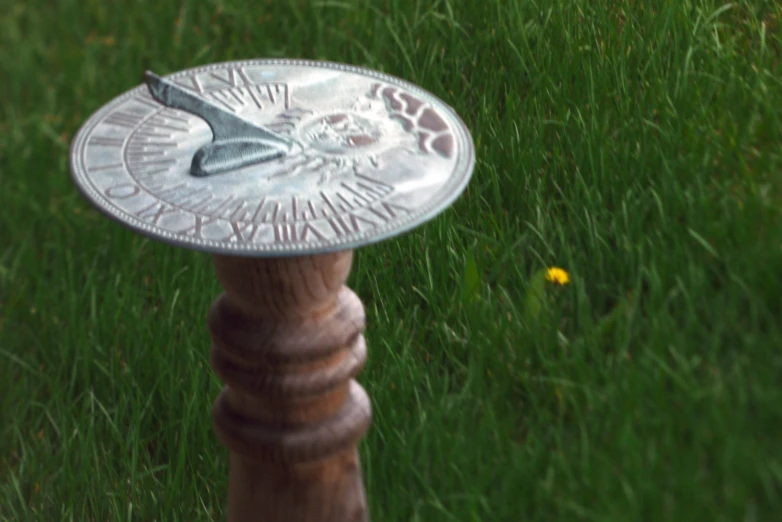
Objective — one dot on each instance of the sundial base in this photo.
(287, 342)
(288, 165)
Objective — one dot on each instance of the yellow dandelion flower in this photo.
(557, 275)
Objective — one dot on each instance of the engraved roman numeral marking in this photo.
(360, 198)
(106, 142)
(235, 216)
(308, 229)
(376, 187)
(232, 77)
(276, 211)
(239, 231)
(389, 210)
(191, 83)
(254, 96)
(353, 226)
(258, 209)
(155, 211)
(340, 227)
(279, 90)
(345, 205)
(374, 191)
(288, 233)
(124, 119)
(284, 233)
(229, 99)
(329, 203)
(196, 230)
(312, 209)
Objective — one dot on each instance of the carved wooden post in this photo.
(287, 340)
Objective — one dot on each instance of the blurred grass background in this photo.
(636, 144)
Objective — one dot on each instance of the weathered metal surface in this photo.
(273, 157)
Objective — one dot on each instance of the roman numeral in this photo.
(285, 233)
(229, 100)
(195, 230)
(288, 233)
(240, 230)
(232, 77)
(191, 83)
(352, 226)
(155, 211)
(387, 211)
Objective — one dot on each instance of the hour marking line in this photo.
(140, 155)
(105, 167)
(148, 173)
(345, 200)
(329, 203)
(227, 105)
(156, 162)
(166, 126)
(361, 198)
(258, 210)
(107, 142)
(240, 100)
(124, 119)
(152, 134)
(195, 85)
(153, 144)
(255, 99)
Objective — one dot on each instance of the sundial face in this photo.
(273, 157)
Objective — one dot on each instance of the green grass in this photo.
(634, 143)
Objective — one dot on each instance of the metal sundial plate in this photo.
(365, 156)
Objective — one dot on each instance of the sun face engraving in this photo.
(342, 133)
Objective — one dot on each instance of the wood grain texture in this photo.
(287, 341)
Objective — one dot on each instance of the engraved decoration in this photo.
(348, 156)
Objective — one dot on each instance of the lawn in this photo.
(635, 144)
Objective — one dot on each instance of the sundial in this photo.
(279, 169)
(264, 158)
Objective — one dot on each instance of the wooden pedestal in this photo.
(287, 342)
